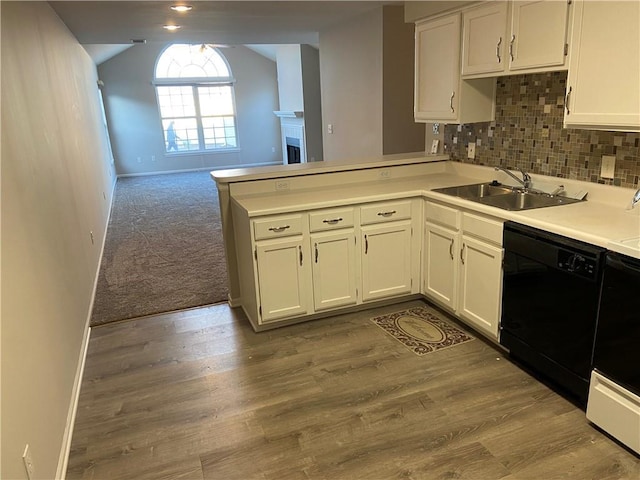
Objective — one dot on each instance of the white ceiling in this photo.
(229, 22)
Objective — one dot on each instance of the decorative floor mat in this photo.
(421, 330)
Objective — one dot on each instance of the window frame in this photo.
(194, 83)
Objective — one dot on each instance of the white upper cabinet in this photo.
(538, 34)
(515, 37)
(603, 86)
(440, 94)
(484, 39)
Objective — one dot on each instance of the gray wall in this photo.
(351, 79)
(134, 122)
(400, 131)
(57, 184)
(312, 102)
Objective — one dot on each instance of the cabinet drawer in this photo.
(385, 212)
(443, 215)
(482, 227)
(331, 219)
(280, 226)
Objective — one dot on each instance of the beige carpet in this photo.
(163, 249)
(422, 330)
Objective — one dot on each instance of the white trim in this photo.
(63, 458)
(200, 169)
(288, 114)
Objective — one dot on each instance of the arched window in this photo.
(194, 86)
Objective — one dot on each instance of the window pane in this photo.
(180, 134)
(176, 101)
(215, 101)
(216, 135)
(192, 61)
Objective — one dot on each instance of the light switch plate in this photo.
(434, 146)
(608, 166)
(471, 150)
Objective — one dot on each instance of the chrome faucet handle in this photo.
(636, 198)
(526, 178)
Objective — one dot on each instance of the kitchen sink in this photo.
(477, 190)
(507, 198)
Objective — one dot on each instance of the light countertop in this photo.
(602, 220)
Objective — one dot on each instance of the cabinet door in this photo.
(538, 33)
(441, 265)
(480, 284)
(386, 260)
(484, 40)
(283, 278)
(334, 269)
(437, 69)
(602, 86)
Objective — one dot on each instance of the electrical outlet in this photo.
(282, 185)
(153, 158)
(384, 173)
(273, 149)
(28, 462)
(330, 128)
(608, 167)
(471, 150)
(434, 146)
(139, 159)
(91, 235)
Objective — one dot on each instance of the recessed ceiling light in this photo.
(171, 28)
(181, 8)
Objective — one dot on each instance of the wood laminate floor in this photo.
(198, 395)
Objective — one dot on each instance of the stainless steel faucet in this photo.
(526, 178)
(636, 198)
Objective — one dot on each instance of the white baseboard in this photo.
(63, 459)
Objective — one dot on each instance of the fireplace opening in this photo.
(293, 150)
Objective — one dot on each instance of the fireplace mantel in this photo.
(288, 114)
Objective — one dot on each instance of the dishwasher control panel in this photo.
(577, 263)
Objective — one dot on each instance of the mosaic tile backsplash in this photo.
(527, 133)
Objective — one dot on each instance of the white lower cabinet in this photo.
(463, 265)
(440, 272)
(282, 274)
(386, 260)
(480, 284)
(334, 269)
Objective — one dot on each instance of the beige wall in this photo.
(351, 79)
(56, 189)
(400, 131)
(289, 64)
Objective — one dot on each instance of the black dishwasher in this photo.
(550, 298)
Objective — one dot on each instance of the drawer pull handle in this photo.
(333, 221)
(513, 38)
(386, 214)
(279, 229)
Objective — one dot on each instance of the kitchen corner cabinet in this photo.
(387, 233)
(440, 94)
(602, 85)
(515, 37)
(463, 265)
